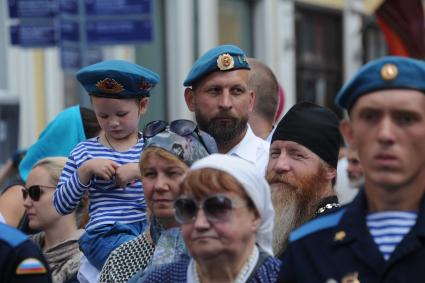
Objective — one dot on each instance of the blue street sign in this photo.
(71, 57)
(69, 30)
(68, 7)
(32, 8)
(104, 22)
(117, 7)
(118, 31)
(34, 35)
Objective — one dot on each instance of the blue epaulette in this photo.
(11, 236)
(317, 224)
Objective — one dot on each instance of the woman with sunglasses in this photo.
(226, 217)
(59, 235)
(170, 150)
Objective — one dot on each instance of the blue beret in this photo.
(117, 79)
(390, 72)
(220, 58)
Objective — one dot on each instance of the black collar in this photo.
(326, 205)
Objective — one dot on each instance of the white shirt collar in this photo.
(269, 137)
(244, 148)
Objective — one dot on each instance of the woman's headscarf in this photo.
(254, 185)
(58, 139)
(187, 148)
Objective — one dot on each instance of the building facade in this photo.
(312, 46)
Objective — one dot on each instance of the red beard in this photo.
(295, 202)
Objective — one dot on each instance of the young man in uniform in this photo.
(380, 236)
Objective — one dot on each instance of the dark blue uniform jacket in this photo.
(338, 248)
(20, 259)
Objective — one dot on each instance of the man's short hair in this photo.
(264, 83)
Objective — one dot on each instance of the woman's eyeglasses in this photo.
(217, 208)
(182, 127)
(34, 192)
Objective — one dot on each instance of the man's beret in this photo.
(220, 58)
(117, 79)
(390, 72)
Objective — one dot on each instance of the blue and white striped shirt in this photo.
(108, 203)
(388, 228)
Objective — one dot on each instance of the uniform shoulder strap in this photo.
(11, 236)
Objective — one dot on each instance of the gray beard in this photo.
(290, 213)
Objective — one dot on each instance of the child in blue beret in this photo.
(107, 166)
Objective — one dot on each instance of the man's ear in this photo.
(346, 129)
(330, 173)
(189, 98)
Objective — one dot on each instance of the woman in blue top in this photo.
(107, 166)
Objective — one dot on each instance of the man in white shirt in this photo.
(218, 93)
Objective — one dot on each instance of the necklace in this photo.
(113, 148)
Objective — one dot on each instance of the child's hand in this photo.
(100, 167)
(126, 174)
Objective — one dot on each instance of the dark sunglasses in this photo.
(182, 127)
(217, 208)
(34, 192)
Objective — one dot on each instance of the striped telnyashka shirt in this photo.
(388, 228)
(108, 203)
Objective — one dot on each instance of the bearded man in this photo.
(218, 92)
(302, 168)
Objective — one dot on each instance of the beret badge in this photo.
(225, 62)
(109, 85)
(389, 72)
(145, 86)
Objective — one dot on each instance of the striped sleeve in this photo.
(69, 190)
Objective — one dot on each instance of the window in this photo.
(318, 34)
(373, 41)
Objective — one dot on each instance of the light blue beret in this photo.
(220, 58)
(117, 79)
(389, 72)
